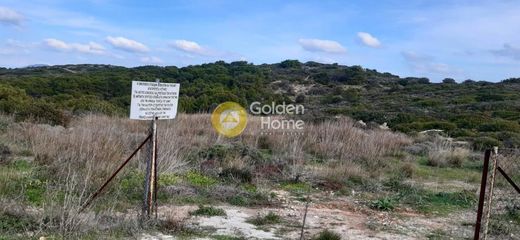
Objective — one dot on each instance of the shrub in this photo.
(499, 125)
(458, 156)
(208, 211)
(327, 235)
(383, 204)
(263, 142)
(300, 98)
(269, 218)
(442, 154)
(408, 170)
(16, 221)
(237, 175)
(200, 180)
(331, 99)
(290, 64)
(41, 111)
(5, 152)
(482, 143)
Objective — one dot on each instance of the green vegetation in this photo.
(225, 237)
(427, 201)
(327, 235)
(208, 211)
(269, 218)
(484, 113)
(200, 180)
(383, 204)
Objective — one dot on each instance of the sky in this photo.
(463, 39)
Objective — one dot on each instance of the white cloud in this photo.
(508, 51)
(421, 63)
(10, 17)
(90, 48)
(189, 47)
(369, 40)
(319, 45)
(151, 60)
(126, 44)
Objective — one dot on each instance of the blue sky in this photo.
(462, 39)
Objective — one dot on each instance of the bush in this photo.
(200, 180)
(44, 112)
(383, 204)
(290, 64)
(300, 98)
(408, 170)
(208, 211)
(331, 99)
(5, 152)
(236, 175)
(327, 235)
(482, 143)
(13, 99)
(458, 157)
(442, 154)
(499, 125)
(270, 218)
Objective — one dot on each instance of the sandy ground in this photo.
(341, 214)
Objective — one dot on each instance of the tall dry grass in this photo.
(443, 153)
(79, 158)
(99, 143)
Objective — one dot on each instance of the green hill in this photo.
(483, 112)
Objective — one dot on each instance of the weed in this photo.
(131, 185)
(11, 221)
(168, 179)
(269, 218)
(297, 188)
(438, 234)
(234, 174)
(383, 204)
(408, 170)
(427, 201)
(199, 180)
(208, 211)
(226, 237)
(327, 235)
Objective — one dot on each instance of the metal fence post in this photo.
(149, 182)
(482, 196)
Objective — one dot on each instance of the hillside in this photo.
(485, 113)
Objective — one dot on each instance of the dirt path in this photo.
(342, 215)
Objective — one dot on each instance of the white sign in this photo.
(152, 99)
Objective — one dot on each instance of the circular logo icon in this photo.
(229, 119)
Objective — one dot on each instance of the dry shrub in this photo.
(459, 156)
(408, 169)
(337, 139)
(442, 153)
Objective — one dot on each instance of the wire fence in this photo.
(500, 215)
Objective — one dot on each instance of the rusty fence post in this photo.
(150, 187)
(482, 196)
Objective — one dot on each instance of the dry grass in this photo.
(78, 159)
(442, 153)
(97, 144)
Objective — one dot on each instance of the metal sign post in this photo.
(150, 101)
(153, 101)
(150, 184)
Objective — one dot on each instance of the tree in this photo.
(290, 64)
(449, 81)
